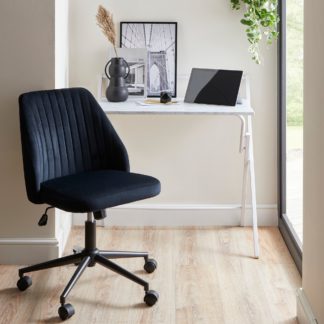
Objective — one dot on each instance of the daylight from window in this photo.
(294, 134)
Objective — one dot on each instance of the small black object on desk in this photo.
(165, 97)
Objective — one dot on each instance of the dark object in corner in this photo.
(165, 97)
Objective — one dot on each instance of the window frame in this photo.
(285, 227)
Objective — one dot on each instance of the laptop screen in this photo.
(217, 87)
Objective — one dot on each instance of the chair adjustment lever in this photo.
(43, 220)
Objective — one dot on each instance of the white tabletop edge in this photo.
(132, 106)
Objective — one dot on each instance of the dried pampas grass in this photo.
(106, 22)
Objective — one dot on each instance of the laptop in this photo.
(217, 87)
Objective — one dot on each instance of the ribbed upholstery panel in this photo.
(65, 132)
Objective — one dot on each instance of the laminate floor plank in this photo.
(204, 275)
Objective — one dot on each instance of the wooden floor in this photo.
(204, 276)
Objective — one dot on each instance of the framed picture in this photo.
(136, 80)
(160, 40)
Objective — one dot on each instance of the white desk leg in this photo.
(249, 152)
(244, 186)
(243, 143)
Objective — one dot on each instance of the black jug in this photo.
(117, 74)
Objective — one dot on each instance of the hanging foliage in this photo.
(261, 19)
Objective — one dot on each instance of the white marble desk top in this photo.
(136, 106)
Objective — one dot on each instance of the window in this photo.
(291, 126)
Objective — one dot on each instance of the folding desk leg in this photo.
(243, 144)
(244, 186)
(252, 186)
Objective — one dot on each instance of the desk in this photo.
(242, 111)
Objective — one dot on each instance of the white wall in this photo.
(63, 220)
(313, 256)
(61, 43)
(27, 62)
(195, 157)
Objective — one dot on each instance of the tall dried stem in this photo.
(106, 22)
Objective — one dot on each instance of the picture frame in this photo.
(160, 40)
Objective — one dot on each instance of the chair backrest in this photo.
(65, 132)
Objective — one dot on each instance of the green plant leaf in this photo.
(261, 17)
(246, 22)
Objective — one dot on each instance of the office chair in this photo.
(74, 160)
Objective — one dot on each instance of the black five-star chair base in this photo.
(88, 257)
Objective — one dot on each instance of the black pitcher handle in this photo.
(107, 65)
(127, 74)
(107, 75)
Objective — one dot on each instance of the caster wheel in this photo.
(66, 311)
(24, 282)
(151, 297)
(150, 265)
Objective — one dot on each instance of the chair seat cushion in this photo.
(96, 190)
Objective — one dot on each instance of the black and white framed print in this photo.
(160, 40)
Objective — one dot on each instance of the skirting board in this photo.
(28, 250)
(183, 215)
(305, 314)
(34, 250)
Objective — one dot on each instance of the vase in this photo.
(118, 71)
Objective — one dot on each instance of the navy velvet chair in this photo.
(75, 161)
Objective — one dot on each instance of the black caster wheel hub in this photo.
(66, 311)
(150, 265)
(151, 297)
(24, 282)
